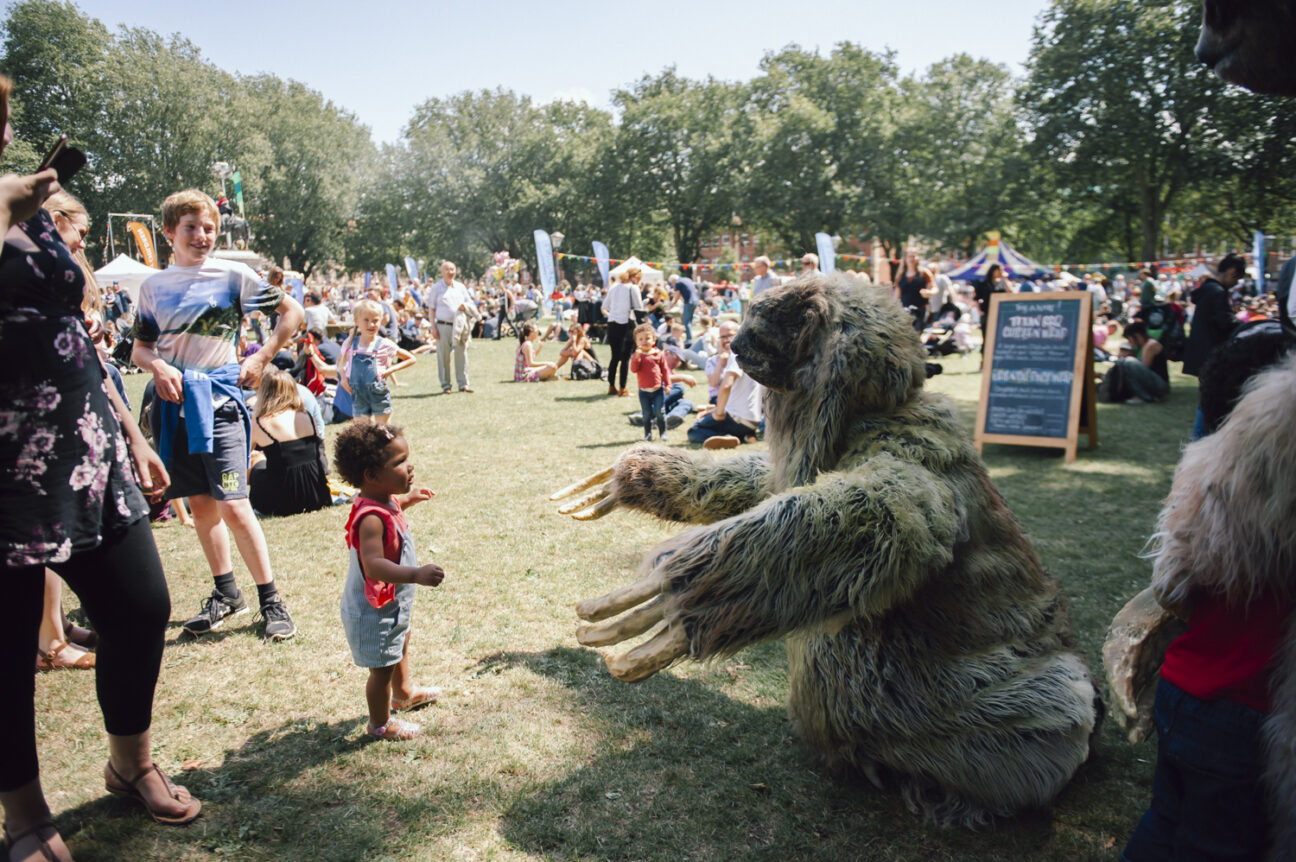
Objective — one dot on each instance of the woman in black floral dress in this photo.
(71, 465)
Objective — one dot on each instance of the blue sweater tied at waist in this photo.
(200, 391)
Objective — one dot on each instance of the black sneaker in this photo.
(216, 609)
(673, 421)
(278, 624)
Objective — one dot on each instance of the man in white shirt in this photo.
(454, 312)
(763, 280)
(317, 313)
(737, 412)
(1097, 293)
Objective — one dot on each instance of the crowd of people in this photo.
(81, 475)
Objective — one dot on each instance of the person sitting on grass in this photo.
(580, 350)
(717, 363)
(1140, 374)
(737, 412)
(526, 367)
(287, 473)
(676, 343)
(378, 597)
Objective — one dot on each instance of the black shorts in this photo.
(222, 473)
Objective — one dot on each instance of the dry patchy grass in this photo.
(534, 751)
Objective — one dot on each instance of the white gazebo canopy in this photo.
(127, 272)
(648, 274)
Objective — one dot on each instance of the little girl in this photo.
(379, 591)
(366, 362)
(526, 367)
(649, 367)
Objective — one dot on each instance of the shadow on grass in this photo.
(684, 771)
(300, 785)
(420, 395)
(610, 444)
(186, 638)
(586, 399)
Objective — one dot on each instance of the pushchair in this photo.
(938, 340)
(511, 320)
(121, 353)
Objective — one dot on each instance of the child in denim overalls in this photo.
(366, 362)
(378, 596)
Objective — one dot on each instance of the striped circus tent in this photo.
(998, 251)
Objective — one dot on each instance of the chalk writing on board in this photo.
(1033, 368)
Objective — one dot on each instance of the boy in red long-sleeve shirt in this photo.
(648, 364)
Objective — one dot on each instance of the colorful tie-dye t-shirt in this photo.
(192, 314)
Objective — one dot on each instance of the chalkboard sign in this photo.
(1037, 385)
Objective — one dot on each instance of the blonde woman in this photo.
(620, 304)
(288, 477)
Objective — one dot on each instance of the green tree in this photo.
(54, 54)
(1122, 109)
(372, 235)
(962, 135)
(676, 157)
(307, 190)
(478, 172)
(817, 139)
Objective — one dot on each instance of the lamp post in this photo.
(222, 171)
(556, 238)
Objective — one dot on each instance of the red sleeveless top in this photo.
(378, 593)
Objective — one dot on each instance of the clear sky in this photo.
(380, 59)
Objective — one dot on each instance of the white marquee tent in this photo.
(649, 274)
(127, 272)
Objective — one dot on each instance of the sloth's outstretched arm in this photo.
(850, 544)
(675, 485)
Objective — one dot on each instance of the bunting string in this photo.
(1178, 263)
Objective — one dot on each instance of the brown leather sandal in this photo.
(51, 659)
(73, 633)
(47, 852)
(130, 790)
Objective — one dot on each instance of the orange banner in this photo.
(144, 241)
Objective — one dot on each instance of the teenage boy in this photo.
(186, 335)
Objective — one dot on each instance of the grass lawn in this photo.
(535, 751)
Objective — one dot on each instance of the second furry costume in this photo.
(928, 647)
(1225, 561)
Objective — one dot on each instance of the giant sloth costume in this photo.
(927, 645)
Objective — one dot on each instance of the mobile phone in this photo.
(65, 160)
(53, 153)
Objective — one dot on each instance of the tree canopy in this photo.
(1114, 145)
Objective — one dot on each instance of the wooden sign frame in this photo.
(1082, 413)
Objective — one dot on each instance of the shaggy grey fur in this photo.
(926, 643)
